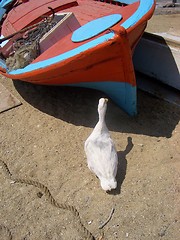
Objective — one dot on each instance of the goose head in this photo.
(108, 184)
(102, 107)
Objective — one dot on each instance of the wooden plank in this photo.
(158, 56)
(158, 89)
(67, 23)
(98, 9)
(7, 100)
(30, 11)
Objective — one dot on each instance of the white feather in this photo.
(101, 153)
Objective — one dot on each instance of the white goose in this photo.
(101, 153)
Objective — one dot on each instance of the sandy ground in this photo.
(164, 24)
(43, 140)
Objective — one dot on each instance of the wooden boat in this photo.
(91, 44)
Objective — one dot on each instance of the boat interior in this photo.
(72, 28)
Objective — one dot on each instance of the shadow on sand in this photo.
(78, 106)
(122, 167)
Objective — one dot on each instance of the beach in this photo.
(43, 140)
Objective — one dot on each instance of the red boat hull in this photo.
(65, 62)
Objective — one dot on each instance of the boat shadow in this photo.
(78, 106)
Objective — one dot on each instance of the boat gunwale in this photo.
(127, 25)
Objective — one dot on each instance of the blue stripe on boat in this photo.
(144, 7)
(2, 12)
(3, 5)
(65, 55)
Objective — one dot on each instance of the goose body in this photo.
(101, 153)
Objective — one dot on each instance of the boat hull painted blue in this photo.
(123, 94)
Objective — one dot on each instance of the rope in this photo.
(26, 48)
(80, 227)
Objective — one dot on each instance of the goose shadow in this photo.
(122, 167)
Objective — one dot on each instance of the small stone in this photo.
(39, 194)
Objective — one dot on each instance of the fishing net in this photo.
(26, 48)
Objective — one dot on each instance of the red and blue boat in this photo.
(91, 44)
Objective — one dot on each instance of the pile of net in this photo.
(26, 49)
